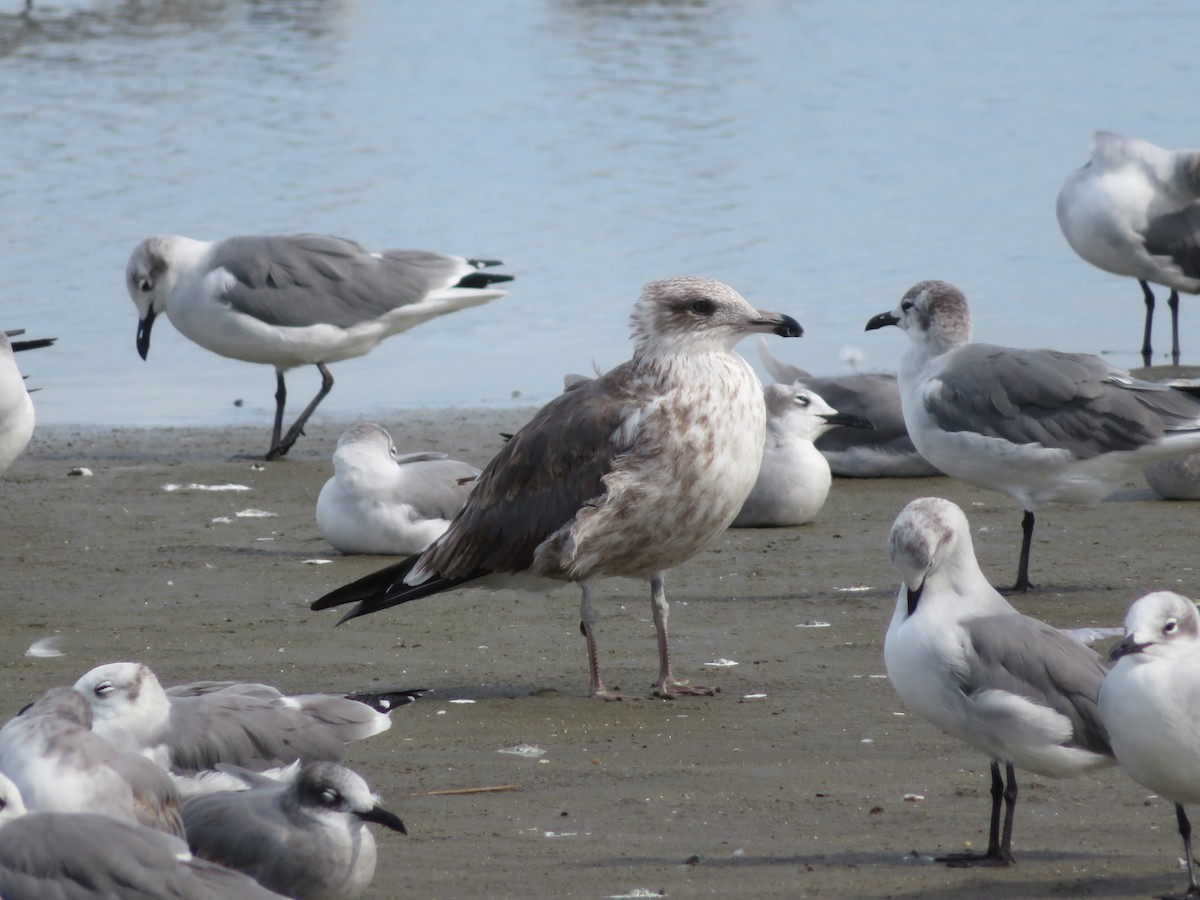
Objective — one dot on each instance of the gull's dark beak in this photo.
(880, 320)
(143, 333)
(1126, 646)
(383, 817)
(914, 597)
(848, 420)
(778, 323)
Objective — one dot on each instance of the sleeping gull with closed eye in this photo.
(962, 657)
(1038, 425)
(1134, 210)
(294, 300)
(627, 474)
(382, 501)
(306, 838)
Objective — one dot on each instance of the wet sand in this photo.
(800, 792)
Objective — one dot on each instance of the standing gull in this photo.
(1037, 425)
(306, 838)
(961, 656)
(16, 409)
(628, 474)
(381, 501)
(1134, 210)
(794, 478)
(1149, 702)
(295, 300)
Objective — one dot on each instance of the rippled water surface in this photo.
(820, 156)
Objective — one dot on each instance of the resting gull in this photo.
(382, 501)
(89, 856)
(59, 764)
(884, 452)
(306, 838)
(1134, 210)
(1037, 425)
(794, 478)
(189, 728)
(961, 656)
(1149, 700)
(627, 474)
(294, 300)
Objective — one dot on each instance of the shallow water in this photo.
(819, 156)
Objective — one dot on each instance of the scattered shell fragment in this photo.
(813, 623)
(45, 647)
(317, 562)
(255, 514)
(913, 798)
(80, 470)
(193, 486)
(527, 751)
(754, 697)
(721, 663)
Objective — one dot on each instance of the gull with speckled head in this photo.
(295, 300)
(1038, 425)
(627, 474)
(960, 656)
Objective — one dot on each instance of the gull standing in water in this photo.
(627, 474)
(962, 657)
(1037, 425)
(294, 300)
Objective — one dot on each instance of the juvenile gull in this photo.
(884, 452)
(1038, 425)
(382, 501)
(794, 478)
(189, 728)
(1149, 701)
(628, 474)
(961, 656)
(16, 409)
(90, 856)
(294, 300)
(1134, 210)
(59, 764)
(305, 838)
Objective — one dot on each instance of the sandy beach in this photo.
(803, 776)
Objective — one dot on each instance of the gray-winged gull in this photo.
(382, 501)
(884, 452)
(961, 656)
(1134, 210)
(59, 764)
(794, 478)
(1038, 425)
(306, 838)
(1149, 703)
(90, 856)
(295, 300)
(188, 729)
(628, 474)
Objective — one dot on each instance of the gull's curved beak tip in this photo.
(881, 320)
(143, 334)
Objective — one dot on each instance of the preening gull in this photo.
(305, 838)
(627, 474)
(16, 409)
(59, 764)
(294, 300)
(90, 856)
(1037, 425)
(1149, 701)
(189, 728)
(382, 501)
(961, 656)
(794, 478)
(1134, 210)
(884, 452)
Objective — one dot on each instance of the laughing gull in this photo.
(59, 764)
(961, 656)
(295, 300)
(1038, 425)
(794, 478)
(90, 856)
(306, 838)
(1149, 702)
(189, 728)
(1134, 210)
(884, 452)
(627, 474)
(381, 501)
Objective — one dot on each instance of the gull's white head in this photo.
(804, 414)
(364, 445)
(129, 706)
(1161, 624)
(934, 314)
(150, 276)
(928, 534)
(327, 788)
(696, 314)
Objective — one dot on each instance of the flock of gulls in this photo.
(119, 787)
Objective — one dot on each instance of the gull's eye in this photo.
(330, 797)
(103, 688)
(1170, 626)
(907, 305)
(703, 307)
(803, 400)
